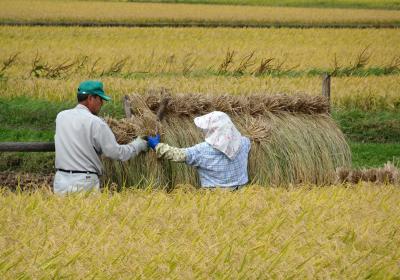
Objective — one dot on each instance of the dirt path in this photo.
(25, 181)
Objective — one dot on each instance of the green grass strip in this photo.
(28, 119)
(374, 154)
(375, 127)
(26, 135)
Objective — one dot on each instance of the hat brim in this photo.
(105, 97)
(198, 122)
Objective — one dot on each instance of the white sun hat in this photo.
(220, 132)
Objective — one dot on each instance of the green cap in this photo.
(93, 87)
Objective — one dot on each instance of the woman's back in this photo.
(215, 168)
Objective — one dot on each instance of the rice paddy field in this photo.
(153, 14)
(50, 61)
(282, 225)
(305, 232)
(366, 4)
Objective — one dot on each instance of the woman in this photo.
(221, 160)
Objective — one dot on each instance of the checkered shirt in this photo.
(215, 168)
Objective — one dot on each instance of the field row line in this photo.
(205, 24)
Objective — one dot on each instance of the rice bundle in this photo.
(294, 140)
(388, 174)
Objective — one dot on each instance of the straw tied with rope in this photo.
(294, 139)
(147, 111)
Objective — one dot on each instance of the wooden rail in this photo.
(27, 147)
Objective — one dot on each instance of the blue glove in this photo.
(153, 141)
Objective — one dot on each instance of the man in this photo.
(81, 137)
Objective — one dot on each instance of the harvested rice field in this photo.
(335, 232)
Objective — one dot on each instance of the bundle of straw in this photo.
(388, 174)
(294, 140)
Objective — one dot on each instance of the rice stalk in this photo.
(92, 72)
(228, 60)
(246, 62)
(188, 63)
(7, 63)
(264, 67)
(362, 59)
(115, 67)
(44, 69)
(393, 66)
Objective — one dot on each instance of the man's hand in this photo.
(141, 144)
(153, 141)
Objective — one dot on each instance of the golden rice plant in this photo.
(367, 93)
(158, 50)
(305, 232)
(190, 61)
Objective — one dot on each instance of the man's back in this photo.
(75, 142)
(81, 137)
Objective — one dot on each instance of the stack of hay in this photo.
(294, 139)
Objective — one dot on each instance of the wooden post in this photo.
(326, 88)
(127, 107)
(27, 147)
(161, 110)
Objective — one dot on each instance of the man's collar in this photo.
(83, 107)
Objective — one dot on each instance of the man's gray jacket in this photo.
(82, 137)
